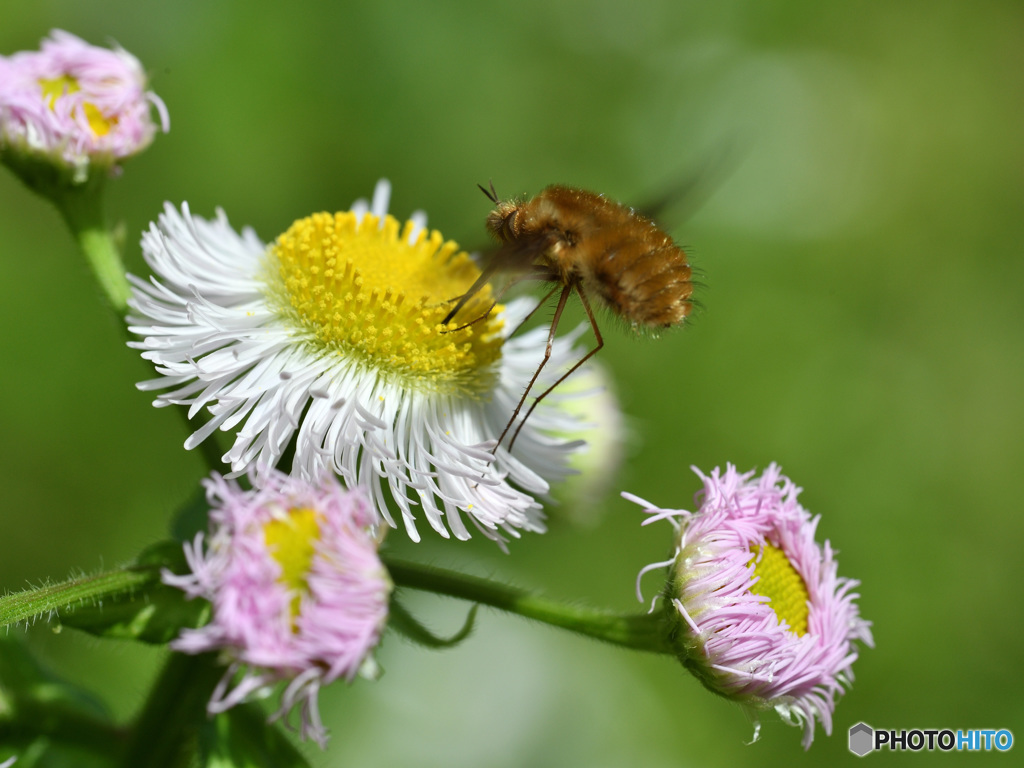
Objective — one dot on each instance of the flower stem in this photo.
(642, 632)
(87, 590)
(166, 730)
(82, 209)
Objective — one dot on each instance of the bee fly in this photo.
(586, 244)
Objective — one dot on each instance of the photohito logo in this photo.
(864, 739)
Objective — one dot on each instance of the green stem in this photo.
(87, 590)
(166, 730)
(642, 632)
(82, 208)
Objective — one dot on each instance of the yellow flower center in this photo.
(61, 86)
(780, 582)
(362, 290)
(291, 542)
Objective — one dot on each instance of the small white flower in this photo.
(331, 337)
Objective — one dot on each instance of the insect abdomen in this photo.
(645, 280)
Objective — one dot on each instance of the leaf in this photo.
(403, 622)
(155, 616)
(47, 753)
(48, 721)
(241, 738)
(192, 517)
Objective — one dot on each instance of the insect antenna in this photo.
(574, 285)
(485, 275)
(491, 195)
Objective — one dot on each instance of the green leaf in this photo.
(47, 753)
(403, 622)
(48, 721)
(241, 738)
(164, 554)
(155, 616)
(192, 517)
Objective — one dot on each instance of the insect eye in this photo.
(509, 227)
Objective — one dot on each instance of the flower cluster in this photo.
(334, 346)
(75, 105)
(330, 341)
(298, 591)
(761, 616)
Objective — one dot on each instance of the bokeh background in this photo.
(863, 325)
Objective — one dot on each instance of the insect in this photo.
(587, 244)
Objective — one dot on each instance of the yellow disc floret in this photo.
(56, 87)
(361, 289)
(780, 582)
(291, 541)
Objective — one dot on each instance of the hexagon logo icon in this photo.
(862, 738)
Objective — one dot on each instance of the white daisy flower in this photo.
(331, 336)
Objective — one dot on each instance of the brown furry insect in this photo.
(583, 242)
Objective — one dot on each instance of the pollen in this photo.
(291, 542)
(780, 582)
(362, 289)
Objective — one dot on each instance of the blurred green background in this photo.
(863, 325)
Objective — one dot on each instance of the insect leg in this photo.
(547, 355)
(539, 304)
(554, 323)
(484, 316)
